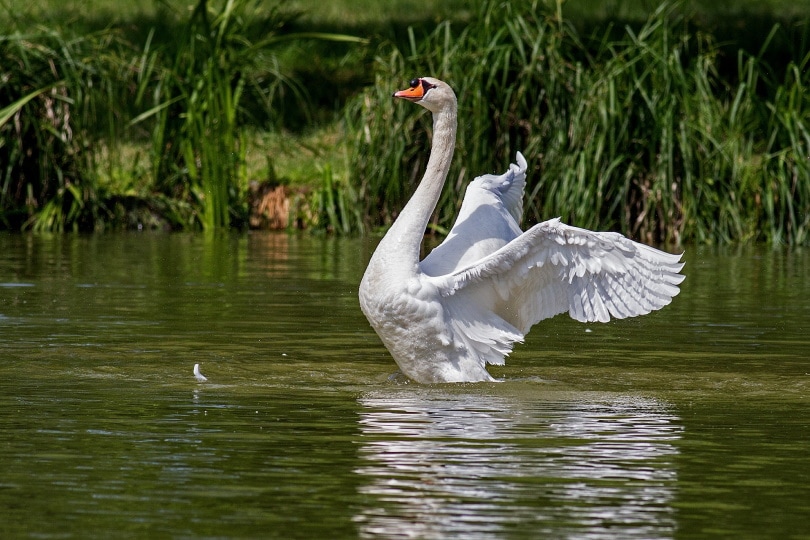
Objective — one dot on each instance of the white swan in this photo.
(465, 305)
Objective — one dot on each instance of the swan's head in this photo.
(430, 93)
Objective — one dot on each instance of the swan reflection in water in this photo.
(440, 465)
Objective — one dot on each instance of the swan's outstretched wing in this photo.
(553, 268)
(550, 269)
(488, 220)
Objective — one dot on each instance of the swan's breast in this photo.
(410, 319)
(414, 303)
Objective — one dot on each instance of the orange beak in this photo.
(414, 93)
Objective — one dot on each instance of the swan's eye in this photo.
(414, 83)
(427, 86)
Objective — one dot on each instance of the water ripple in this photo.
(439, 466)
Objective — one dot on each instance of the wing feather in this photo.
(488, 219)
(496, 281)
(553, 268)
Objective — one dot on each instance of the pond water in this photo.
(692, 422)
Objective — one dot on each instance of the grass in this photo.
(198, 146)
(49, 128)
(189, 101)
(667, 127)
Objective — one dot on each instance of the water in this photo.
(689, 423)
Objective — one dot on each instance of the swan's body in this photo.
(465, 305)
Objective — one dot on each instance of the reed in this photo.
(787, 157)
(53, 86)
(336, 209)
(189, 101)
(652, 129)
(194, 91)
(637, 133)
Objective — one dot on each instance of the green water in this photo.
(689, 423)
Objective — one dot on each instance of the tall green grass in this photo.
(50, 87)
(654, 129)
(194, 144)
(74, 106)
(192, 89)
(196, 88)
(637, 133)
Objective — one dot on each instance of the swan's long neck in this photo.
(404, 239)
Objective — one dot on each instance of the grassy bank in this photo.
(144, 124)
(665, 126)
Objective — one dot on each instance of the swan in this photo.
(444, 318)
